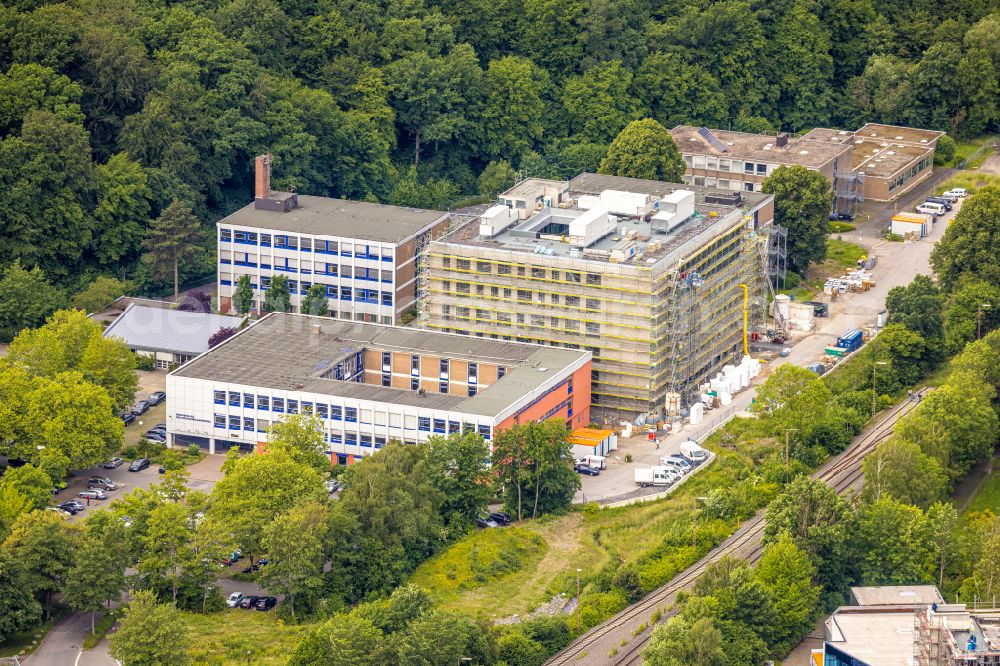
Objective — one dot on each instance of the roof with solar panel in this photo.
(757, 147)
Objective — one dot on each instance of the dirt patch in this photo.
(991, 165)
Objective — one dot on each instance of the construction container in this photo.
(851, 340)
(836, 351)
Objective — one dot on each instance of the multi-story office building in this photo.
(369, 384)
(878, 162)
(645, 275)
(364, 254)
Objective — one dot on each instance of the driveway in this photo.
(62, 646)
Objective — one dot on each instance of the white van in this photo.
(957, 192)
(693, 452)
(597, 462)
(931, 208)
(678, 464)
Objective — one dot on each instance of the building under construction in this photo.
(659, 281)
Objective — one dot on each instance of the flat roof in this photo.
(175, 331)
(322, 216)
(882, 159)
(897, 595)
(882, 638)
(283, 352)
(759, 147)
(897, 133)
(653, 246)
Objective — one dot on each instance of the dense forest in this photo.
(112, 109)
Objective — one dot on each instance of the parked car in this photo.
(138, 465)
(156, 398)
(841, 217)
(485, 522)
(94, 494)
(957, 191)
(266, 603)
(500, 517)
(72, 507)
(944, 201)
(248, 602)
(232, 558)
(252, 568)
(332, 486)
(157, 430)
(114, 463)
(160, 426)
(127, 417)
(102, 482)
(62, 512)
(261, 563)
(785, 352)
(234, 599)
(157, 437)
(140, 408)
(586, 469)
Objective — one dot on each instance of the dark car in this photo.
(486, 522)
(127, 417)
(841, 217)
(586, 469)
(156, 398)
(160, 426)
(500, 517)
(72, 507)
(101, 482)
(252, 568)
(114, 463)
(156, 432)
(140, 407)
(265, 603)
(249, 602)
(138, 465)
(156, 437)
(941, 200)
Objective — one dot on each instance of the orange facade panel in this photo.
(579, 400)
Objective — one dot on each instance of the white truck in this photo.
(655, 476)
(693, 452)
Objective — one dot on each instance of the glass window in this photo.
(335, 412)
(220, 397)
(248, 423)
(424, 424)
(501, 371)
(443, 387)
(293, 406)
(220, 420)
(503, 269)
(572, 276)
(386, 360)
(351, 414)
(414, 364)
(484, 430)
(414, 384)
(472, 390)
(386, 379)
(345, 293)
(248, 400)
(307, 408)
(278, 405)
(262, 401)
(386, 298)
(454, 426)
(323, 411)
(444, 368)
(593, 304)
(234, 423)
(593, 278)
(439, 425)
(234, 398)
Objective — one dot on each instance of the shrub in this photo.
(193, 450)
(516, 649)
(145, 362)
(551, 632)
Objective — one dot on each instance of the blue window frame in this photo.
(293, 406)
(454, 426)
(351, 438)
(248, 423)
(262, 402)
(338, 439)
(345, 293)
(351, 414)
(386, 298)
(386, 379)
(227, 283)
(234, 422)
(331, 291)
(473, 373)
(484, 430)
(220, 397)
(443, 387)
(265, 281)
(220, 420)
(439, 425)
(307, 408)
(335, 412)
(225, 235)
(366, 441)
(424, 424)
(248, 400)
(281, 241)
(322, 411)
(472, 390)
(379, 441)
(226, 261)
(234, 398)
(278, 405)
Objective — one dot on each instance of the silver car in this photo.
(94, 493)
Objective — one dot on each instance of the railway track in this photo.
(597, 645)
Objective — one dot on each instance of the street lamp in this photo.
(694, 520)
(979, 319)
(874, 392)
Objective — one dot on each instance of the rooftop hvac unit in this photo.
(724, 198)
(781, 140)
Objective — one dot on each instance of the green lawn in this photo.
(843, 255)
(970, 180)
(965, 148)
(988, 496)
(223, 638)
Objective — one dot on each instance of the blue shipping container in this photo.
(851, 341)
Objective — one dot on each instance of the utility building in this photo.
(645, 275)
(363, 254)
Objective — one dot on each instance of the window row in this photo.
(423, 423)
(535, 272)
(283, 241)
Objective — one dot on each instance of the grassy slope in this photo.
(222, 638)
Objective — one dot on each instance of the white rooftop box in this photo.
(633, 204)
(674, 209)
(590, 226)
(495, 219)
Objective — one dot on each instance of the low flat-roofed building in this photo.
(369, 384)
(646, 275)
(896, 595)
(741, 161)
(363, 254)
(170, 336)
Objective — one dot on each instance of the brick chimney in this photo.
(262, 180)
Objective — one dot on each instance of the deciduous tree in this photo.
(96, 578)
(101, 293)
(243, 295)
(969, 244)
(315, 301)
(277, 298)
(644, 149)
(294, 545)
(460, 470)
(786, 573)
(899, 469)
(150, 634)
(45, 546)
(802, 202)
(26, 299)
